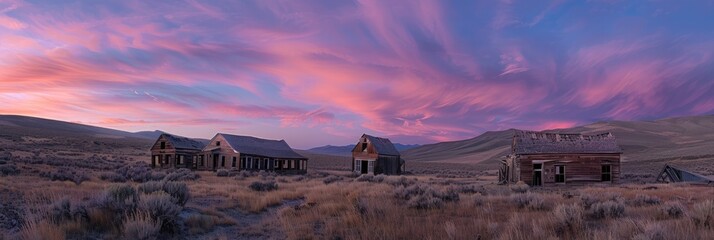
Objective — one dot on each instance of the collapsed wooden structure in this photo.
(542, 158)
(376, 155)
(672, 174)
(227, 151)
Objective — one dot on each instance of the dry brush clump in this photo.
(120, 211)
(423, 196)
(702, 214)
(263, 186)
(644, 200)
(182, 174)
(531, 201)
(66, 174)
(7, 170)
(569, 219)
(672, 209)
(607, 209)
(331, 179)
(520, 187)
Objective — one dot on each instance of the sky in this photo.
(324, 72)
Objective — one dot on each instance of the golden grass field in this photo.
(337, 205)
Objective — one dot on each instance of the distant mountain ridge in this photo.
(346, 150)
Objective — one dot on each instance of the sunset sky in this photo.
(324, 72)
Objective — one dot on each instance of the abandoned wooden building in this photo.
(170, 151)
(540, 158)
(672, 174)
(226, 151)
(376, 155)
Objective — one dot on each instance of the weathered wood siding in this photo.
(159, 156)
(384, 164)
(223, 151)
(579, 168)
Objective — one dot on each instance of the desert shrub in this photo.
(365, 178)
(177, 190)
(568, 218)
(400, 181)
(379, 178)
(223, 173)
(6, 170)
(424, 197)
(587, 200)
(642, 200)
(199, 223)
(140, 172)
(529, 200)
(263, 186)
(353, 175)
(150, 187)
(651, 231)
(121, 197)
(162, 209)
(607, 209)
(182, 174)
(141, 226)
(299, 178)
(331, 179)
(702, 214)
(468, 189)
(65, 174)
(672, 209)
(112, 177)
(520, 187)
(479, 200)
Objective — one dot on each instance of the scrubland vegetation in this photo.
(136, 202)
(90, 193)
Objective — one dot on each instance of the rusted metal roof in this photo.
(530, 142)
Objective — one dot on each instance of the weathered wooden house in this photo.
(540, 158)
(226, 151)
(377, 156)
(170, 151)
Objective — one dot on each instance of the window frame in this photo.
(560, 173)
(603, 173)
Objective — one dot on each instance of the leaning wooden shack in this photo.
(543, 158)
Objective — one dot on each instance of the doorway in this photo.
(365, 167)
(215, 161)
(537, 174)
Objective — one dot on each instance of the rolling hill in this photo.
(682, 137)
(346, 150)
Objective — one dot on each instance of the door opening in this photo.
(537, 174)
(215, 161)
(365, 167)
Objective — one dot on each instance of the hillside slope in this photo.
(683, 137)
(41, 126)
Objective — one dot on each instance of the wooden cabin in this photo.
(547, 159)
(376, 155)
(226, 151)
(171, 151)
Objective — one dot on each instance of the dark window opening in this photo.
(163, 145)
(234, 162)
(606, 173)
(218, 143)
(364, 146)
(223, 161)
(559, 173)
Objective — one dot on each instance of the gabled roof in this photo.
(183, 142)
(382, 145)
(675, 174)
(261, 147)
(528, 142)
